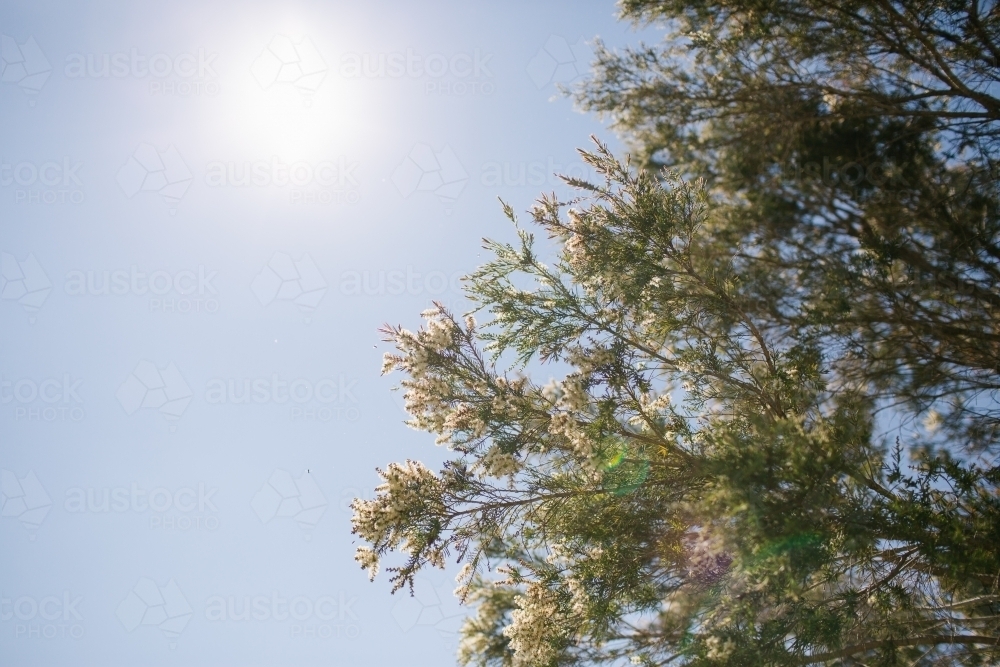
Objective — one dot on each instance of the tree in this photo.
(774, 440)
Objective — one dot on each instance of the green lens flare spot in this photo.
(623, 473)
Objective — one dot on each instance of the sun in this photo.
(285, 98)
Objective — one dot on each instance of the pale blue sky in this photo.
(202, 204)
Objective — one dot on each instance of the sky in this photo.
(206, 212)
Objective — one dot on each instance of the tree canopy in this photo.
(774, 434)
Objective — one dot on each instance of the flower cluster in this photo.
(496, 463)
(933, 421)
(408, 497)
(579, 597)
(439, 334)
(565, 425)
(368, 559)
(655, 404)
(587, 360)
(426, 390)
(575, 251)
(417, 347)
(719, 649)
(574, 395)
(652, 407)
(532, 627)
(463, 418)
(552, 391)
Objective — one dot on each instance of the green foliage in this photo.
(776, 440)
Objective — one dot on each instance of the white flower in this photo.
(532, 625)
(464, 573)
(575, 397)
(718, 649)
(497, 464)
(832, 100)
(409, 490)
(558, 553)
(464, 581)
(389, 362)
(933, 421)
(580, 598)
(438, 335)
(552, 391)
(650, 406)
(563, 424)
(368, 559)
(588, 359)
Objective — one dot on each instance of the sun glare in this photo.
(289, 100)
